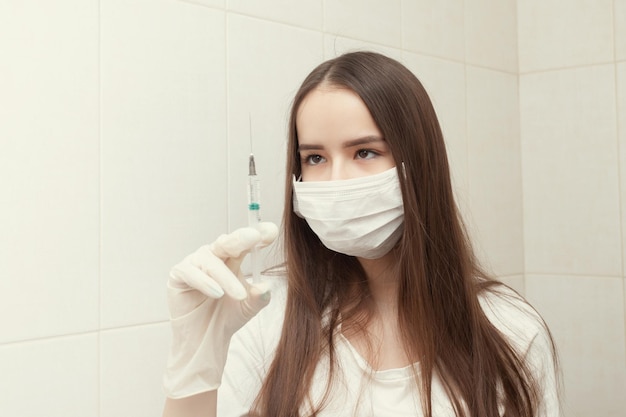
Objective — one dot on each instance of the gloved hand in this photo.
(209, 301)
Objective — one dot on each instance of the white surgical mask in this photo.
(359, 217)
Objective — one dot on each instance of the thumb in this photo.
(268, 231)
(259, 295)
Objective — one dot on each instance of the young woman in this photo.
(384, 310)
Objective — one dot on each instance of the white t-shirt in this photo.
(361, 391)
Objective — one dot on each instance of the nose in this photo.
(339, 171)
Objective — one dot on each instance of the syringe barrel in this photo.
(254, 198)
(254, 193)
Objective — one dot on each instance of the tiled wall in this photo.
(124, 144)
(573, 135)
(573, 131)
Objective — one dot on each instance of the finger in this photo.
(215, 268)
(259, 296)
(234, 264)
(195, 278)
(268, 231)
(235, 244)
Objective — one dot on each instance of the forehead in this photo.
(333, 113)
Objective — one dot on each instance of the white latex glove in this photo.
(209, 301)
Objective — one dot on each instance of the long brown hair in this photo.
(442, 325)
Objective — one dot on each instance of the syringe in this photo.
(254, 215)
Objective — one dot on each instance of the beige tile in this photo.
(586, 317)
(55, 377)
(48, 168)
(570, 172)
(621, 128)
(377, 21)
(261, 86)
(434, 28)
(620, 29)
(131, 375)
(495, 176)
(164, 148)
(307, 13)
(491, 34)
(208, 3)
(553, 34)
(336, 45)
(445, 83)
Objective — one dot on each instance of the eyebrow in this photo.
(349, 144)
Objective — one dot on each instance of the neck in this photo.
(378, 339)
(382, 277)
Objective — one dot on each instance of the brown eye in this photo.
(366, 154)
(313, 159)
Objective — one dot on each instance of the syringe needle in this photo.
(250, 132)
(253, 210)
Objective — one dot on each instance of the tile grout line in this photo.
(100, 228)
(574, 275)
(401, 29)
(323, 19)
(567, 67)
(505, 276)
(519, 143)
(322, 32)
(522, 177)
(620, 168)
(95, 332)
(468, 196)
(226, 106)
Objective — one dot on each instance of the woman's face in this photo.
(338, 139)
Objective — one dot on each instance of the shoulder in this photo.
(514, 317)
(522, 325)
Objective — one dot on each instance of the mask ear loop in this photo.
(403, 169)
(294, 198)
